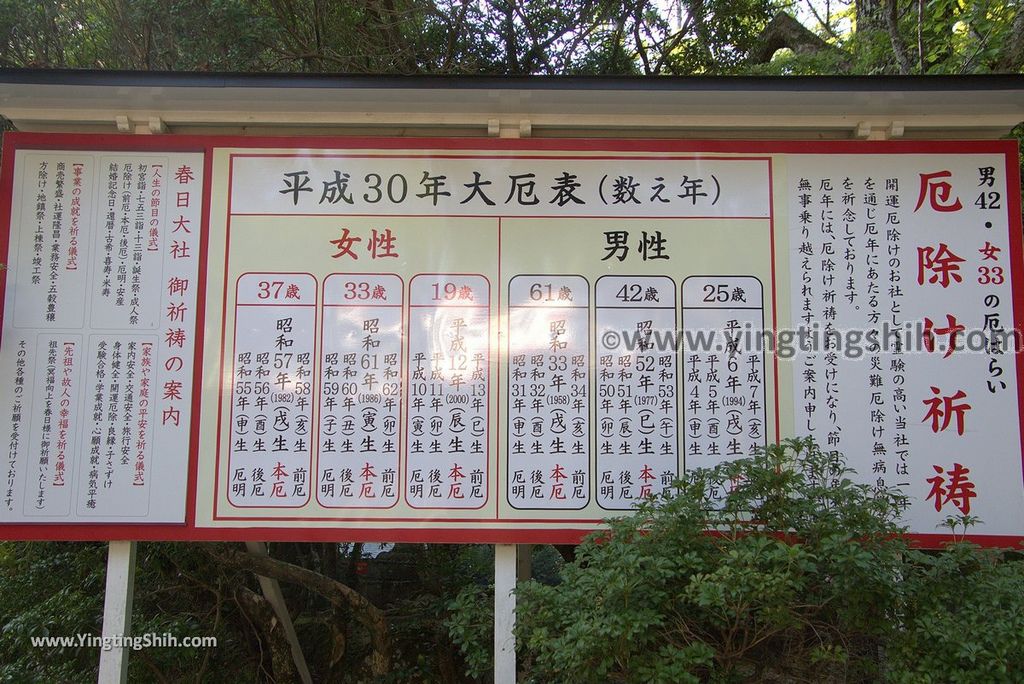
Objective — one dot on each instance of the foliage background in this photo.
(517, 37)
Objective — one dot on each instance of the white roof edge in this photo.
(50, 101)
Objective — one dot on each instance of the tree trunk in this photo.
(262, 615)
(892, 27)
(869, 14)
(341, 595)
(1012, 58)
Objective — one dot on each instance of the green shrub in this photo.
(804, 577)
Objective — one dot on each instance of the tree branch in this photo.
(371, 617)
(783, 31)
(899, 48)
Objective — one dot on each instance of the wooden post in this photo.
(507, 557)
(117, 610)
(120, 589)
(504, 613)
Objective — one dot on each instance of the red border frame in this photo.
(405, 393)
(764, 358)
(458, 531)
(502, 494)
(231, 393)
(677, 300)
(399, 473)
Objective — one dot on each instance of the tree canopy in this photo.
(516, 37)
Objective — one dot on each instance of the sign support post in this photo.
(506, 558)
(117, 611)
(504, 613)
(120, 590)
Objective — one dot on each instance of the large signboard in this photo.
(497, 341)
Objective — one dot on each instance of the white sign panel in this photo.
(99, 336)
